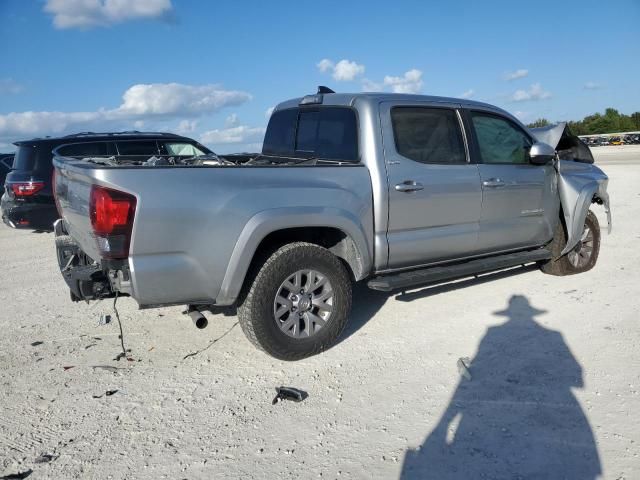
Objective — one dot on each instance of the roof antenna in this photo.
(323, 89)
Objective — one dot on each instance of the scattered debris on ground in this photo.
(108, 393)
(289, 393)
(45, 458)
(35, 344)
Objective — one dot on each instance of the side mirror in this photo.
(541, 153)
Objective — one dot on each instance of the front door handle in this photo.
(493, 183)
(409, 186)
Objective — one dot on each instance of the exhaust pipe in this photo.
(199, 320)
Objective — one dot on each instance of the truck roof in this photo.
(348, 99)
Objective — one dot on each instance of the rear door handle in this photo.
(409, 186)
(493, 183)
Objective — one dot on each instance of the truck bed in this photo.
(196, 227)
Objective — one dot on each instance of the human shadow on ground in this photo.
(517, 417)
(367, 302)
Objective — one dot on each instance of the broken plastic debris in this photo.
(104, 319)
(69, 367)
(464, 363)
(108, 393)
(35, 344)
(45, 458)
(289, 393)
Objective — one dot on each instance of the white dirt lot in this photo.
(554, 389)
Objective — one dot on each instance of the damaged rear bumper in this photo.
(87, 278)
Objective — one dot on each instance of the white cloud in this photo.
(520, 73)
(325, 65)
(186, 126)
(231, 120)
(343, 71)
(535, 92)
(10, 86)
(410, 82)
(371, 86)
(269, 112)
(177, 99)
(522, 116)
(237, 134)
(468, 94)
(592, 86)
(139, 103)
(99, 13)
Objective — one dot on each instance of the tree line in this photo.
(611, 121)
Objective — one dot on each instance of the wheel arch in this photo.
(335, 229)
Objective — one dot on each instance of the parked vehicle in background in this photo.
(6, 162)
(28, 201)
(395, 190)
(615, 141)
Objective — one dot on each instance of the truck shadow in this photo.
(517, 416)
(367, 302)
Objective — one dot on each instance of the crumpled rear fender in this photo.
(580, 185)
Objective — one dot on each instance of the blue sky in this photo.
(211, 70)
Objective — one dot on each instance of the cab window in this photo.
(428, 135)
(499, 140)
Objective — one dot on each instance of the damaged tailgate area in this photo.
(87, 278)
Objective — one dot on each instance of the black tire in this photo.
(256, 308)
(562, 265)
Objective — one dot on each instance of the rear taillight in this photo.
(112, 215)
(26, 189)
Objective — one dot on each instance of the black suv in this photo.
(6, 161)
(28, 201)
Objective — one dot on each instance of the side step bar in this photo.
(412, 278)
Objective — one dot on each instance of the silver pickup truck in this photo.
(394, 190)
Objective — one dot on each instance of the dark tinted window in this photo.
(307, 135)
(280, 136)
(84, 149)
(500, 141)
(428, 135)
(325, 132)
(6, 162)
(137, 147)
(329, 132)
(25, 158)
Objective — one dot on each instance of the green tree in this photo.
(541, 122)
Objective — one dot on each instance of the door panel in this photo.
(514, 213)
(434, 208)
(519, 203)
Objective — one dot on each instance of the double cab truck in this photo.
(393, 190)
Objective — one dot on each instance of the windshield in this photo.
(182, 149)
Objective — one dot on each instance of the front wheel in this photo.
(298, 302)
(582, 257)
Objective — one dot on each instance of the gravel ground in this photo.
(554, 384)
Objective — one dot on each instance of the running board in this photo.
(412, 278)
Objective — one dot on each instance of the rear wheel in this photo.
(582, 257)
(298, 302)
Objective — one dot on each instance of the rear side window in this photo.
(136, 147)
(84, 149)
(499, 140)
(428, 135)
(326, 132)
(25, 158)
